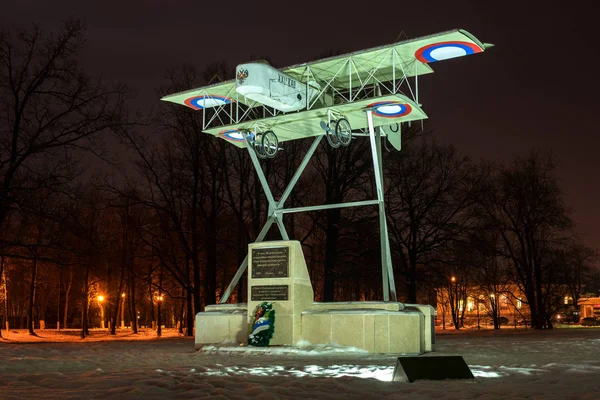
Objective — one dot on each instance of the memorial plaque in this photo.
(269, 292)
(270, 262)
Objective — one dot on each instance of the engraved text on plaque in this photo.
(270, 292)
(270, 262)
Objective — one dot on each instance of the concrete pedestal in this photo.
(221, 322)
(377, 331)
(277, 274)
(284, 284)
(429, 329)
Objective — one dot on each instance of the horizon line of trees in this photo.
(173, 222)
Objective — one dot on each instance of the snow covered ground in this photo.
(515, 364)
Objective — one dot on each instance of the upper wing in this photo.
(386, 110)
(388, 59)
(352, 72)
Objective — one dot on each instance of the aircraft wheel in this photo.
(332, 139)
(269, 144)
(258, 147)
(343, 131)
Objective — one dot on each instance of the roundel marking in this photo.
(206, 101)
(445, 50)
(233, 135)
(390, 109)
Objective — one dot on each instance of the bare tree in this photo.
(578, 267)
(523, 204)
(48, 107)
(430, 191)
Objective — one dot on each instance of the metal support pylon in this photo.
(275, 213)
(387, 272)
(276, 210)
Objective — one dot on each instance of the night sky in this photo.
(537, 88)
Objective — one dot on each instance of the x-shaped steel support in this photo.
(276, 210)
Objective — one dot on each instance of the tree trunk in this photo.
(132, 311)
(5, 299)
(160, 300)
(118, 302)
(150, 290)
(58, 302)
(412, 277)
(331, 242)
(30, 321)
(181, 310)
(84, 309)
(189, 316)
(210, 276)
(67, 290)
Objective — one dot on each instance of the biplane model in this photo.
(366, 93)
(328, 97)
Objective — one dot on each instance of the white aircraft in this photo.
(267, 106)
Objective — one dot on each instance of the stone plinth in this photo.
(374, 330)
(277, 273)
(221, 322)
(429, 329)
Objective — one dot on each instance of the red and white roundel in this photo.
(206, 101)
(390, 109)
(445, 50)
(232, 135)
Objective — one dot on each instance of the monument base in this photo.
(375, 326)
(277, 274)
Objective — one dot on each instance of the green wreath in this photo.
(264, 325)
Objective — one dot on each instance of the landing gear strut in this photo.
(265, 144)
(341, 135)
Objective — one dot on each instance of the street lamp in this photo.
(100, 301)
(122, 310)
(455, 306)
(159, 300)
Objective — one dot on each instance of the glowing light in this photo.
(453, 279)
(470, 304)
(100, 298)
(122, 294)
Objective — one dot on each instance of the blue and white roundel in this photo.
(232, 134)
(445, 50)
(199, 102)
(390, 109)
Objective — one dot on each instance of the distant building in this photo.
(589, 306)
(479, 306)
